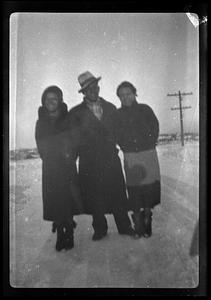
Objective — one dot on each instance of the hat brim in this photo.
(88, 83)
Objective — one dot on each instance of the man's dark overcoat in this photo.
(58, 172)
(101, 178)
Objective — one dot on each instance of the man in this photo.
(101, 179)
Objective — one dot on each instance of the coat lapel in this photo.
(90, 115)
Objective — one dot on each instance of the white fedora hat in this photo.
(85, 79)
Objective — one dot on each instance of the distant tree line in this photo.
(20, 154)
(170, 137)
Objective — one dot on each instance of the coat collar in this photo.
(132, 107)
(89, 103)
(43, 113)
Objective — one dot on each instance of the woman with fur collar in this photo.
(61, 198)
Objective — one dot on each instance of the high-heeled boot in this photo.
(61, 241)
(147, 224)
(69, 235)
(54, 226)
(138, 222)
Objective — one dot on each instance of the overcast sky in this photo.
(158, 53)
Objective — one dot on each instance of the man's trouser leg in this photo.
(122, 220)
(99, 222)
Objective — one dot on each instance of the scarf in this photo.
(95, 107)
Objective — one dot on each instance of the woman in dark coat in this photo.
(136, 130)
(59, 174)
(101, 178)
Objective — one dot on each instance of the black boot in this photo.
(54, 225)
(69, 235)
(138, 221)
(100, 226)
(128, 231)
(60, 242)
(147, 224)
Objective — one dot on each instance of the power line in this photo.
(180, 108)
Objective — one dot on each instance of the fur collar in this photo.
(43, 113)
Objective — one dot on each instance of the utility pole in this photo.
(179, 94)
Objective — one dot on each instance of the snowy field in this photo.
(162, 261)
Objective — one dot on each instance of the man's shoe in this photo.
(129, 231)
(98, 236)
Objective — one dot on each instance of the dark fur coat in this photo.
(58, 151)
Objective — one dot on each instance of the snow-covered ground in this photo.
(162, 261)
